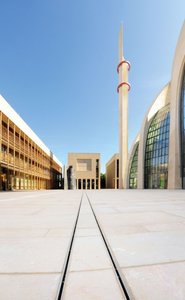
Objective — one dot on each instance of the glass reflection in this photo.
(156, 153)
(133, 170)
(183, 131)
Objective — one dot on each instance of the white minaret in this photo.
(123, 89)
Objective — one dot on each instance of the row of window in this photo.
(133, 170)
(157, 149)
(156, 153)
(87, 184)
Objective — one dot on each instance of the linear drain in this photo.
(125, 290)
(127, 293)
(61, 286)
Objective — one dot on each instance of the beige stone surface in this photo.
(33, 255)
(165, 281)
(147, 237)
(112, 172)
(89, 253)
(92, 285)
(144, 229)
(28, 286)
(90, 274)
(35, 231)
(86, 219)
(87, 232)
(149, 248)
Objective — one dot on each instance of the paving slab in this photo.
(92, 285)
(90, 273)
(146, 236)
(35, 233)
(28, 286)
(145, 231)
(164, 281)
(33, 254)
(148, 248)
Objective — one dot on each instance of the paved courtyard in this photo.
(87, 245)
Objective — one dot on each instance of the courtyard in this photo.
(107, 244)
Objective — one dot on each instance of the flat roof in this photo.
(83, 153)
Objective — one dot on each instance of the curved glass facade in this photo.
(183, 130)
(133, 170)
(156, 153)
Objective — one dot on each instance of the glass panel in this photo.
(183, 131)
(156, 153)
(133, 170)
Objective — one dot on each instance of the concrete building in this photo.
(86, 169)
(112, 172)
(25, 161)
(157, 156)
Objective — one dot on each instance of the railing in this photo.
(17, 141)
(11, 137)
(16, 161)
(22, 146)
(4, 157)
(4, 133)
(11, 159)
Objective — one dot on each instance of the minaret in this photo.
(123, 89)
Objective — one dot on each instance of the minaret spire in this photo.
(123, 89)
(121, 57)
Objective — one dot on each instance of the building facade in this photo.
(157, 156)
(25, 162)
(159, 149)
(86, 169)
(112, 172)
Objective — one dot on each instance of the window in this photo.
(183, 131)
(117, 161)
(97, 168)
(88, 184)
(156, 153)
(133, 170)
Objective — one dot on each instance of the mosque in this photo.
(157, 156)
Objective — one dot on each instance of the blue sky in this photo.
(58, 64)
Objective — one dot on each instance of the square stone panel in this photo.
(81, 232)
(92, 285)
(148, 248)
(89, 253)
(33, 255)
(86, 221)
(12, 233)
(31, 286)
(136, 219)
(157, 282)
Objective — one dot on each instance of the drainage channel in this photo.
(61, 286)
(125, 289)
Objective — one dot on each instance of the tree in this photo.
(102, 180)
